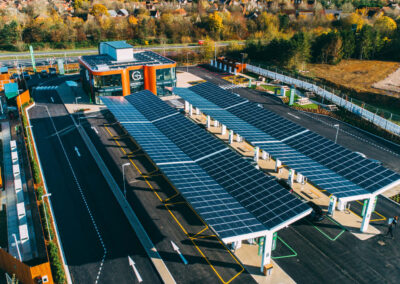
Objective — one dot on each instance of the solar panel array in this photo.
(361, 171)
(320, 175)
(307, 152)
(268, 201)
(218, 208)
(141, 58)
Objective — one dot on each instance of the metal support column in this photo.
(367, 215)
(230, 136)
(266, 251)
(256, 153)
(223, 130)
(208, 122)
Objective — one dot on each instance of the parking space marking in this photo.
(294, 253)
(325, 234)
(193, 238)
(383, 218)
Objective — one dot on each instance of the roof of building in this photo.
(103, 62)
(112, 13)
(121, 44)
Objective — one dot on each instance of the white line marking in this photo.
(295, 116)
(82, 195)
(132, 263)
(77, 151)
(95, 129)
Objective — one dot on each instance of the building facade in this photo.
(118, 70)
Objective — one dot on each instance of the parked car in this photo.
(44, 74)
(52, 71)
(317, 214)
(25, 75)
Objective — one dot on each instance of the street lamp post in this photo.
(16, 244)
(123, 177)
(76, 102)
(45, 213)
(187, 62)
(337, 131)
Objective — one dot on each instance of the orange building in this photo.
(118, 70)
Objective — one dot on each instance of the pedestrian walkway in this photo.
(11, 198)
(346, 218)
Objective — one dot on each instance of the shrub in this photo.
(55, 263)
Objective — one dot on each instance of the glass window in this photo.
(164, 74)
(107, 81)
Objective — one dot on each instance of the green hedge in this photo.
(55, 263)
(43, 219)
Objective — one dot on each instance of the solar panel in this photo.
(150, 105)
(194, 141)
(235, 174)
(266, 121)
(220, 210)
(217, 95)
(211, 201)
(328, 165)
(152, 141)
(260, 194)
(232, 122)
(352, 166)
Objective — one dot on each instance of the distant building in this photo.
(119, 70)
(112, 13)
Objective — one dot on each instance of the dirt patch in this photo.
(359, 75)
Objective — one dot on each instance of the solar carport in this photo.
(331, 167)
(237, 201)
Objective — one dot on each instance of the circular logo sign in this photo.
(136, 75)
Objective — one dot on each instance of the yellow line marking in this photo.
(383, 218)
(179, 224)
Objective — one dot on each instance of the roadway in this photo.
(96, 237)
(164, 214)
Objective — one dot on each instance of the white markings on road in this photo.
(132, 263)
(82, 196)
(176, 248)
(95, 129)
(52, 100)
(295, 116)
(77, 151)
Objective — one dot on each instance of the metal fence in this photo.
(381, 118)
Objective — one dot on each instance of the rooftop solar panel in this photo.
(218, 208)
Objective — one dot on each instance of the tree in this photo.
(10, 33)
(299, 51)
(365, 42)
(348, 43)
(99, 10)
(327, 48)
(385, 25)
(215, 22)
